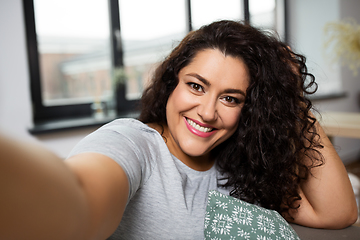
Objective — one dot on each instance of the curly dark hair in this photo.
(264, 160)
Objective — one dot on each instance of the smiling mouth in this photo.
(198, 127)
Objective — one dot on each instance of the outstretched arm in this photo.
(327, 197)
(43, 197)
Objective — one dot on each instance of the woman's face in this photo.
(204, 109)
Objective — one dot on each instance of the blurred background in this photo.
(68, 66)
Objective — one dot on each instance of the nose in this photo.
(207, 109)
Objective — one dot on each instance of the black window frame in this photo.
(43, 114)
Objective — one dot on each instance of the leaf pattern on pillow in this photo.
(227, 217)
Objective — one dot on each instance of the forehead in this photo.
(216, 67)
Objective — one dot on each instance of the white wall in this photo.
(306, 17)
(306, 22)
(15, 108)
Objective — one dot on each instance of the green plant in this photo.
(343, 43)
(119, 76)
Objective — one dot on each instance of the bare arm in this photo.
(106, 189)
(43, 197)
(327, 197)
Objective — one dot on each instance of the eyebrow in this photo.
(207, 83)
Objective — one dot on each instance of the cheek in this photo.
(179, 100)
(173, 107)
(231, 118)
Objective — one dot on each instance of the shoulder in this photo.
(128, 129)
(128, 125)
(132, 144)
(119, 137)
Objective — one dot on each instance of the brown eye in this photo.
(196, 87)
(231, 99)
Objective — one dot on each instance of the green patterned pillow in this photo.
(230, 218)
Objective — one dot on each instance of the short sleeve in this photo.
(128, 146)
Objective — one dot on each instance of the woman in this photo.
(225, 111)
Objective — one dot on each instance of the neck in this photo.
(198, 163)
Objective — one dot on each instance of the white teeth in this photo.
(198, 127)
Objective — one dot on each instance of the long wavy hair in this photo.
(276, 143)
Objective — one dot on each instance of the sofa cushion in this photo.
(230, 218)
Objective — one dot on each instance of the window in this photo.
(149, 30)
(79, 49)
(268, 14)
(206, 11)
(69, 56)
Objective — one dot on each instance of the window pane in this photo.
(207, 11)
(74, 51)
(262, 13)
(149, 31)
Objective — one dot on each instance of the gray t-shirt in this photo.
(167, 199)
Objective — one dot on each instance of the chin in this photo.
(196, 153)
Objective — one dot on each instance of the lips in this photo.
(199, 129)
